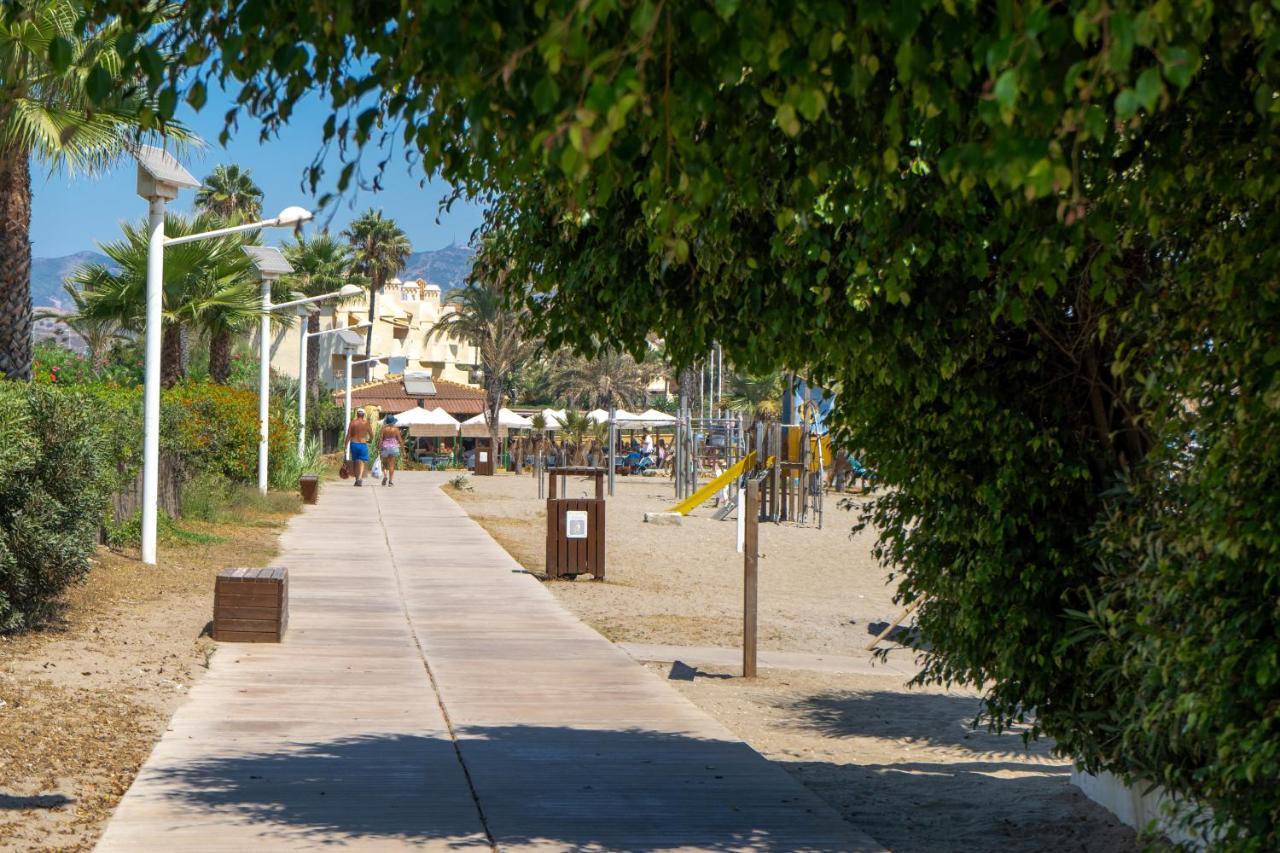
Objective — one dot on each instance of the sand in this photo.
(903, 764)
(83, 700)
(683, 585)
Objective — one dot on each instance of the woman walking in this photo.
(390, 444)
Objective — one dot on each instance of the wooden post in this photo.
(750, 571)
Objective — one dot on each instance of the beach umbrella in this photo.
(436, 423)
(654, 418)
(555, 418)
(478, 427)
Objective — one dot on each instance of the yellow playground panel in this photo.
(819, 449)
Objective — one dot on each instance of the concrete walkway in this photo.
(429, 695)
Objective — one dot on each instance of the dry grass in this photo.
(83, 700)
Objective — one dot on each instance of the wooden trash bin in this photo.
(575, 528)
(251, 605)
(484, 458)
(309, 486)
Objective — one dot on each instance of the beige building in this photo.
(406, 313)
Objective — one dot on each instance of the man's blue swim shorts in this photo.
(359, 451)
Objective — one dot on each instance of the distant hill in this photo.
(47, 275)
(447, 267)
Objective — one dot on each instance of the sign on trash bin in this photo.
(575, 522)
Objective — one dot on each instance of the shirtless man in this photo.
(359, 432)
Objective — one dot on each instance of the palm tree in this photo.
(577, 429)
(757, 397)
(230, 192)
(98, 334)
(322, 264)
(379, 249)
(49, 76)
(208, 287)
(496, 325)
(610, 379)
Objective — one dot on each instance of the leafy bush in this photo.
(460, 483)
(55, 476)
(215, 428)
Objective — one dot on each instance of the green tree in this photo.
(1033, 243)
(229, 191)
(608, 379)
(208, 288)
(98, 334)
(321, 265)
(65, 103)
(483, 314)
(379, 249)
(757, 397)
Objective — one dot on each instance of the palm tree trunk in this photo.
(313, 358)
(493, 403)
(374, 287)
(220, 355)
(15, 263)
(171, 371)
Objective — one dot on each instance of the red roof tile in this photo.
(389, 396)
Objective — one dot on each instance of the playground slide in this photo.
(697, 498)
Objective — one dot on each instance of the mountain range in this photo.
(447, 267)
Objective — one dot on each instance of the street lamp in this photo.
(160, 177)
(346, 397)
(271, 264)
(302, 370)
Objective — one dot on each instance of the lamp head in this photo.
(293, 215)
(350, 290)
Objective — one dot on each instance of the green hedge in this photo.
(65, 449)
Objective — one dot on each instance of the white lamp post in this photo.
(346, 397)
(160, 176)
(271, 264)
(349, 289)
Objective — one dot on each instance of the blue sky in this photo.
(74, 214)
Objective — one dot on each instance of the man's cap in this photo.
(359, 411)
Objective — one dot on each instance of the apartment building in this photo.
(406, 312)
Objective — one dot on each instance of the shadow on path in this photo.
(632, 789)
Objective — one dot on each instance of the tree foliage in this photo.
(379, 249)
(230, 191)
(482, 314)
(208, 288)
(608, 379)
(1033, 242)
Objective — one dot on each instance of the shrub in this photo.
(55, 475)
(215, 428)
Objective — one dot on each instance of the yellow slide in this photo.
(697, 498)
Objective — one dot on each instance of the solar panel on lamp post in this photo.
(160, 177)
